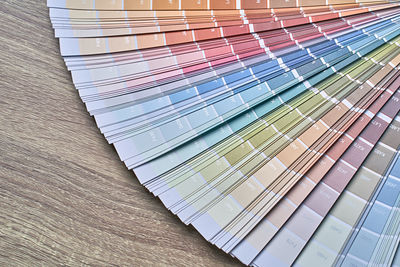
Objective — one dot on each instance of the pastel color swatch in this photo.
(272, 127)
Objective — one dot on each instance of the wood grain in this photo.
(65, 197)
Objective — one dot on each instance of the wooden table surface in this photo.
(65, 197)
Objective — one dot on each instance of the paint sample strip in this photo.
(72, 15)
(267, 140)
(389, 239)
(136, 153)
(313, 51)
(196, 5)
(258, 205)
(89, 60)
(243, 138)
(396, 260)
(94, 26)
(179, 98)
(290, 240)
(383, 215)
(391, 140)
(163, 198)
(231, 244)
(158, 166)
(204, 52)
(335, 230)
(121, 111)
(198, 53)
(112, 44)
(248, 249)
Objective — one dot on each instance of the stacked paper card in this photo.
(272, 127)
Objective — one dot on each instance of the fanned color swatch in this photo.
(270, 126)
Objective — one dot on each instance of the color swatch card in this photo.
(271, 127)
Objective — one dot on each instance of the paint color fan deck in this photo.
(272, 127)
